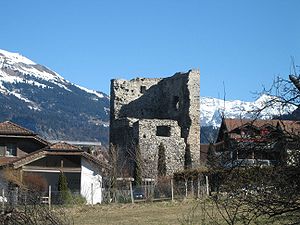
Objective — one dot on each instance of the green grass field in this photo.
(125, 214)
(187, 212)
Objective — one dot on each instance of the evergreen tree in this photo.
(212, 159)
(64, 191)
(187, 157)
(138, 166)
(161, 166)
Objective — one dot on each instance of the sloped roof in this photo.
(232, 124)
(60, 148)
(28, 158)
(10, 128)
(7, 160)
(289, 126)
(19, 162)
(63, 146)
(98, 161)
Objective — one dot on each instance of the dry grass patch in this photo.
(188, 212)
(160, 213)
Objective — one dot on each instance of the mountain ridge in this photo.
(212, 109)
(40, 99)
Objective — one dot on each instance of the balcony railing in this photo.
(251, 162)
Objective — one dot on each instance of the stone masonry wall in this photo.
(149, 141)
(143, 102)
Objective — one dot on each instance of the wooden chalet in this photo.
(244, 142)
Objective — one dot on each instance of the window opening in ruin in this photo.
(143, 89)
(175, 102)
(163, 131)
(144, 136)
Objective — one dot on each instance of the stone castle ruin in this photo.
(147, 112)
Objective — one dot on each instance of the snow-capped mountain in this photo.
(212, 109)
(42, 100)
(15, 68)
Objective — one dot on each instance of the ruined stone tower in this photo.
(147, 112)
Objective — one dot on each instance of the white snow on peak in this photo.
(15, 68)
(90, 91)
(212, 109)
(17, 62)
(19, 96)
(31, 105)
(14, 57)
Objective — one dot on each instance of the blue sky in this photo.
(244, 44)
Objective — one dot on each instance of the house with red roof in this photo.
(245, 142)
(24, 151)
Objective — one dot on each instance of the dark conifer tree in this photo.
(64, 191)
(138, 166)
(187, 157)
(161, 166)
(212, 159)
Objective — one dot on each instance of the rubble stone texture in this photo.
(147, 112)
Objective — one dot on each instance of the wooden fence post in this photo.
(49, 197)
(25, 198)
(186, 188)
(172, 189)
(131, 191)
(207, 185)
(198, 187)
(192, 187)
(92, 194)
(3, 200)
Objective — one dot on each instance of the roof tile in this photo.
(9, 128)
(288, 126)
(63, 146)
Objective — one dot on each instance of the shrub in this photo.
(35, 182)
(64, 191)
(161, 165)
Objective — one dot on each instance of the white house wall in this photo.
(91, 182)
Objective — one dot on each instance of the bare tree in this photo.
(274, 191)
(113, 161)
(246, 195)
(24, 204)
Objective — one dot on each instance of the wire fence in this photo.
(30, 207)
(125, 192)
(15, 197)
(156, 190)
(36, 207)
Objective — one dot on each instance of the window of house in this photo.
(175, 102)
(163, 131)
(2, 150)
(11, 150)
(143, 89)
